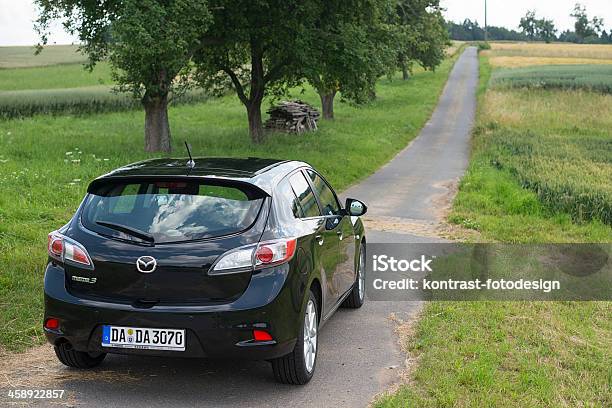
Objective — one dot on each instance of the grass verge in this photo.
(46, 162)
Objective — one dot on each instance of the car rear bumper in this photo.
(272, 302)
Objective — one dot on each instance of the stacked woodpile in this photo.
(294, 117)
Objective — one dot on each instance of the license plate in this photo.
(143, 338)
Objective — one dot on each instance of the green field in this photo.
(54, 77)
(47, 161)
(21, 57)
(67, 89)
(76, 101)
(541, 161)
(541, 166)
(587, 77)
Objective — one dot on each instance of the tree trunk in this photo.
(157, 127)
(327, 103)
(256, 94)
(255, 124)
(405, 72)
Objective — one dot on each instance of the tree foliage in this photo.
(420, 33)
(258, 48)
(149, 43)
(585, 28)
(528, 25)
(350, 48)
(537, 28)
(546, 29)
(470, 30)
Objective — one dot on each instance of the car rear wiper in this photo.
(130, 231)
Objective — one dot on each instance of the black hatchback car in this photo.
(240, 258)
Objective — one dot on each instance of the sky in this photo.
(17, 16)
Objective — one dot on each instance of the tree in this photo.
(421, 34)
(257, 48)
(546, 30)
(528, 25)
(350, 49)
(150, 48)
(584, 27)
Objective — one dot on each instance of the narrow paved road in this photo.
(359, 355)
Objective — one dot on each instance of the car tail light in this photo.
(252, 257)
(262, 335)
(76, 253)
(237, 260)
(65, 249)
(275, 252)
(55, 245)
(52, 323)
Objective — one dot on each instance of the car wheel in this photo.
(298, 366)
(77, 359)
(355, 299)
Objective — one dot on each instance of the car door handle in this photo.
(319, 239)
(339, 233)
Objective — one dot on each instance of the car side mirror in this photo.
(355, 207)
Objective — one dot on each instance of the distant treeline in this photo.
(472, 31)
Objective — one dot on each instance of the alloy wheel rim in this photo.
(361, 276)
(310, 336)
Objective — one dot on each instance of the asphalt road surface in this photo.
(359, 355)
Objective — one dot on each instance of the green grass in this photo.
(540, 167)
(527, 354)
(20, 57)
(46, 163)
(75, 101)
(536, 160)
(54, 77)
(590, 77)
(66, 89)
(510, 354)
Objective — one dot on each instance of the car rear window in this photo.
(164, 211)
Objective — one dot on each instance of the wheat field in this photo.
(514, 55)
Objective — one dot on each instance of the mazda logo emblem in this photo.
(146, 264)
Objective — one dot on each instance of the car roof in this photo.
(263, 173)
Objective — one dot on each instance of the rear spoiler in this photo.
(256, 191)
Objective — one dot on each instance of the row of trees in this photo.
(537, 28)
(586, 30)
(470, 30)
(158, 49)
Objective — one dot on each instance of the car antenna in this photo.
(190, 163)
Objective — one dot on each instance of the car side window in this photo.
(329, 203)
(288, 201)
(303, 192)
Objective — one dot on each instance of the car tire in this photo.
(298, 366)
(77, 359)
(356, 298)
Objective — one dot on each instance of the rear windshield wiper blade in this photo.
(130, 231)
